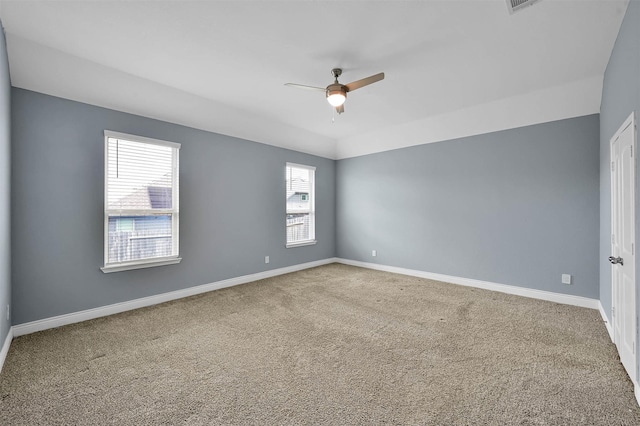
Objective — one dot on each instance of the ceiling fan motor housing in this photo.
(337, 88)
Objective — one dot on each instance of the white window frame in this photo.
(311, 210)
(156, 261)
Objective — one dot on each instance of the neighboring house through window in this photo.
(141, 202)
(300, 196)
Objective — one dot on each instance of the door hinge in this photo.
(613, 166)
(613, 311)
(631, 148)
(632, 249)
(613, 238)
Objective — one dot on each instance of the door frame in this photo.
(631, 120)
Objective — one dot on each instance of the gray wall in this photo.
(517, 207)
(620, 96)
(232, 208)
(5, 190)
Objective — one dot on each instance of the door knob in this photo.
(615, 260)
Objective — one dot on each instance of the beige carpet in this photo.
(329, 345)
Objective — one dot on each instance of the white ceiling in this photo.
(453, 68)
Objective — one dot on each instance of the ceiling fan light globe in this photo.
(336, 94)
(336, 98)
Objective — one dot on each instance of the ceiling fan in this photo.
(337, 93)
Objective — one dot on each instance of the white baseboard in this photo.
(565, 299)
(5, 347)
(75, 317)
(607, 324)
(58, 321)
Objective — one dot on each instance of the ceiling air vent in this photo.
(516, 5)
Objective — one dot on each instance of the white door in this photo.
(623, 273)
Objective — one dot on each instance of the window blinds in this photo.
(139, 175)
(141, 199)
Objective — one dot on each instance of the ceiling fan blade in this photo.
(364, 82)
(340, 109)
(302, 86)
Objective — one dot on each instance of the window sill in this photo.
(301, 243)
(139, 265)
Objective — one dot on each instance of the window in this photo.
(301, 217)
(140, 202)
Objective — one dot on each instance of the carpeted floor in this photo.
(329, 345)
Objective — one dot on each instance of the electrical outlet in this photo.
(566, 279)
(374, 253)
(266, 259)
